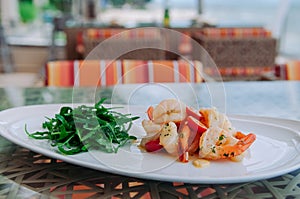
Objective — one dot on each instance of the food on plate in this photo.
(87, 127)
(182, 131)
(200, 163)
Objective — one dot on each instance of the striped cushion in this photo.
(107, 73)
(135, 71)
(105, 33)
(288, 71)
(238, 72)
(293, 70)
(60, 73)
(155, 71)
(235, 32)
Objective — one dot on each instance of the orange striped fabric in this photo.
(113, 72)
(163, 71)
(98, 73)
(236, 32)
(89, 73)
(293, 70)
(135, 71)
(239, 71)
(60, 73)
(160, 71)
(289, 70)
(108, 73)
(104, 33)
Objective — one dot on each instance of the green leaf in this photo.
(76, 130)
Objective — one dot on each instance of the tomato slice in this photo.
(191, 112)
(196, 125)
(153, 145)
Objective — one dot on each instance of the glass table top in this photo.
(26, 174)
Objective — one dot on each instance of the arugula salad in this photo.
(76, 130)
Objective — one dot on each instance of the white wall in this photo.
(9, 12)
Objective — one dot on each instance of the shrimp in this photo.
(211, 117)
(169, 138)
(217, 143)
(168, 110)
(152, 130)
(150, 127)
(181, 131)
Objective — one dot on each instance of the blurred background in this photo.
(31, 27)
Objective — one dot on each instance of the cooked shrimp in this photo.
(217, 143)
(211, 117)
(168, 110)
(207, 131)
(151, 127)
(240, 147)
(169, 138)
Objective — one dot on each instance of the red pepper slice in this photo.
(196, 125)
(184, 157)
(191, 112)
(153, 145)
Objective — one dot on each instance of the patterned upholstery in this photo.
(248, 73)
(149, 38)
(94, 33)
(235, 32)
(242, 53)
(108, 73)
